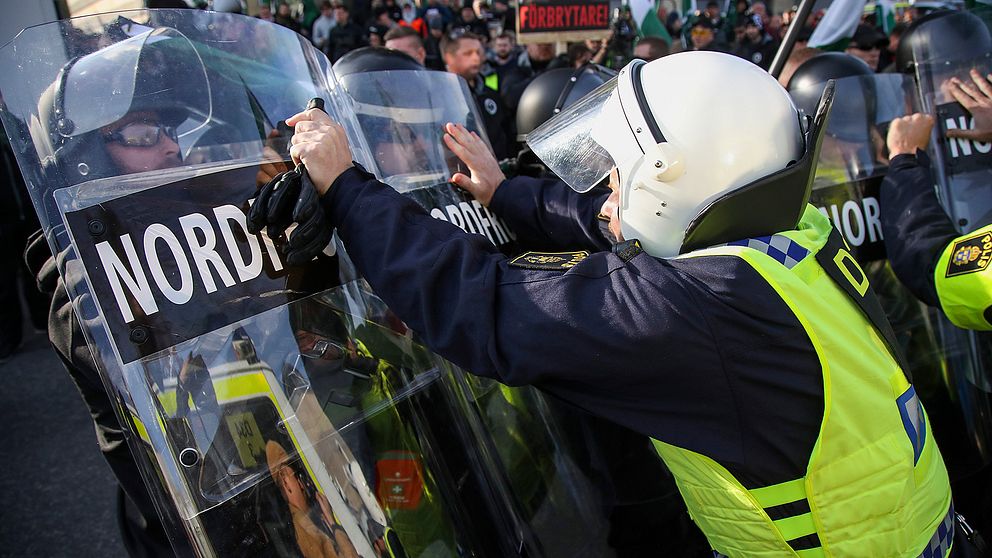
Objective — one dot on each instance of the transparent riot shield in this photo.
(401, 116)
(273, 410)
(962, 172)
(565, 483)
(853, 162)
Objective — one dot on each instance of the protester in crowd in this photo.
(284, 17)
(624, 32)
(381, 24)
(432, 43)
(435, 8)
(712, 14)
(867, 44)
(394, 10)
(761, 10)
(470, 23)
(409, 18)
(650, 48)
(503, 14)
(321, 30)
(887, 56)
(674, 24)
(703, 37)
(346, 35)
(756, 46)
(407, 41)
(578, 55)
(265, 13)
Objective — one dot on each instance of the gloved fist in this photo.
(290, 198)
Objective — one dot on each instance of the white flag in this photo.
(840, 22)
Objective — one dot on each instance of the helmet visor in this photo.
(573, 143)
(156, 70)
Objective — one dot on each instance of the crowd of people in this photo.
(476, 41)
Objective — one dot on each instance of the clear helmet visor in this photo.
(404, 132)
(156, 71)
(576, 144)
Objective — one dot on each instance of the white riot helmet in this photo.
(708, 146)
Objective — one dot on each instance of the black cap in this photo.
(867, 37)
(703, 22)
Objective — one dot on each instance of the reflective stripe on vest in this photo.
(963, 278)
(939, 545)
(875, 483)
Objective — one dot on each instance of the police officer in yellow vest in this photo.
(940, 266)
(732, 326)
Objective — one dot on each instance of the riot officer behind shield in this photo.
(941, 267)
(938, 238)
(569, 220)
(919, 235)
(109, 139)
(684, 334)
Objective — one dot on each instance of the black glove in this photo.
(290, 198)
(313, 231)
(274, 204)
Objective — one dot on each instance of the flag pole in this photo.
(791, 35)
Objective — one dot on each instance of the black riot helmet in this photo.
(554, 90)
(137, 74)
(943, 35)
(854, 98)
(374, 59)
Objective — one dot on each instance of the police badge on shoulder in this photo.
(549, 261)
(970, 255)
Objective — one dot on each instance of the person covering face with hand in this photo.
(713, 329)
(928, 254)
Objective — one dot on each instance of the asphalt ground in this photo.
(57, 494)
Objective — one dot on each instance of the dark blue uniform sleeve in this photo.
(915, 226)
(641, 341)
(546, 214)
(520, 326)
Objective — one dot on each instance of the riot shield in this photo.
(401, 116)
(962, 172)
(853, 162)
(273, 410)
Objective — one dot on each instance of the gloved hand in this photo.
(290, 198)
